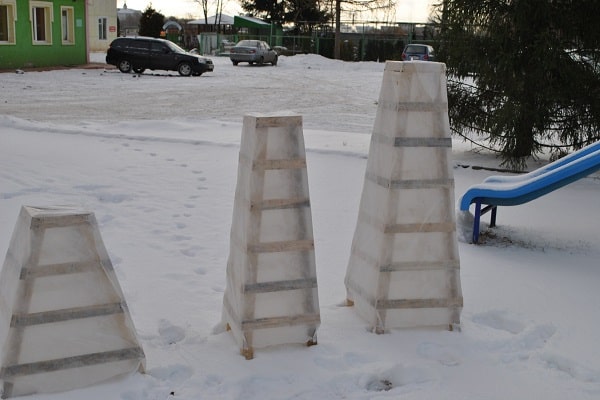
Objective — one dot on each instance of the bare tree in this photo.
(359, 5)
(205, 6)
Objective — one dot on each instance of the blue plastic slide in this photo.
(497, 191)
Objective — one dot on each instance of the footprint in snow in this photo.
(570, 367)
(500, 320)
(169, 333)
(173, 373)
(396, 376)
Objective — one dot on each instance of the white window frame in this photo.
(48, 20)
(67, 23)
(11, 19)
(102, 28)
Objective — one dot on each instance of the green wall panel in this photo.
(25, 54)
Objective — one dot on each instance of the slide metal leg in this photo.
(477, 218)
(493, 217)
(476, 222)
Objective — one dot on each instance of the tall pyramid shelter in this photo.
(404, 268)
(64, 322)
(271, 295)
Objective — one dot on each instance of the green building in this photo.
(37, 33)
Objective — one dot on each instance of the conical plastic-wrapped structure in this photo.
(404, 268)
(271, 295)
(64, 322)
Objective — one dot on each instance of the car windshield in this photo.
(174, 47)
(416, 49)
(247, 43)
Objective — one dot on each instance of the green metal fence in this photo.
(353, 46)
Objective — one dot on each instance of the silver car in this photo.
(422, 52)
(252, 51)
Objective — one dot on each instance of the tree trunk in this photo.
(338, 39)
(524, 141)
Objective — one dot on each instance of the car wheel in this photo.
(184, 69)
(235, 62)
(261, 60)
(124, 66)
(138, 70)
(274, 61)
(251, 62)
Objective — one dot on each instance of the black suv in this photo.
(141, 53)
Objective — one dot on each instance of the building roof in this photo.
(238, 20)
(249, 22)
(225, 20)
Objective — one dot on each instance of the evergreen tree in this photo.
(270, 10)
(524, 74)
(306, 12)
(288, 11)
(151, 22)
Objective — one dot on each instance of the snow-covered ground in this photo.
(155, 157)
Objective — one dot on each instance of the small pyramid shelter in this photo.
(404, 268)
(64, 322)
(271, 295)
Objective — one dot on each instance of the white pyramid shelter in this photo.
(271, 295)
(404, 268)
(64, 322)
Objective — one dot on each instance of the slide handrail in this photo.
(502, 192)
(553, 165)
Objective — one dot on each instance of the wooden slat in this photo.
(382, 304)
(275, 322)
(418, 106)
(59, 221)
(292, 163)
(279, 204)
(444, 227)
(443, 183)
(419, 303)
(71, 362)
(277, 286)
(277, 121)
(46, 317)
(422, 142)
(435, 139)
(58, 269)
(421, 266)
(275, 247)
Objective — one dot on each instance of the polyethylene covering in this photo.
(404, 264)
(271, 295)
(64, 322)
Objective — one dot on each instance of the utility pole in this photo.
(338, 34)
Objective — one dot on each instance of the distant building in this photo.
(41, 33)
(101, 24)
(129, 20)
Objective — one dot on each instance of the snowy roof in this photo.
(252, 19)
(123, 11)
(225, 20)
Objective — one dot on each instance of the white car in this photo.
(252, 51)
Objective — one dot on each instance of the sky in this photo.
(406, 10)
(155, 156)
